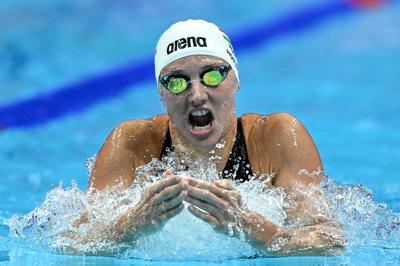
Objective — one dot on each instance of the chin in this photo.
(206, 143)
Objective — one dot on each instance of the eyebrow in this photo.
(174, 72)
(211, 65)
(203, 68)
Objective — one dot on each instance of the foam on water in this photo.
(53, 225)
(365, 221)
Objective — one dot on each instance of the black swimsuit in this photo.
(238, 165)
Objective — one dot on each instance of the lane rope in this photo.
(78, 96)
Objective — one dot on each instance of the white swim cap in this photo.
(193, 37)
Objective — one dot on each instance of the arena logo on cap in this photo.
(186, 43)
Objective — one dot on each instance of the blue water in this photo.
(339, 78)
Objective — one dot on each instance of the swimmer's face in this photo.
(201, 114)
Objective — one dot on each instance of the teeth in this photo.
(196, 128)
(199, 112)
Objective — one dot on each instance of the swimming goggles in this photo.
(211, 78)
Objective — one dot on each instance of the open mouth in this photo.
(201, 122)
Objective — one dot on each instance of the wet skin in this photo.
(164, 199)
(220, 101)
(218, 203)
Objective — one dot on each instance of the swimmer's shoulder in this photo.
(274, 141)
(144, 137)
(135, 131)
(267, 125)
(130, 144)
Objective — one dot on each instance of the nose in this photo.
(198, 95)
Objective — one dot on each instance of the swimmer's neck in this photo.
(217, 154)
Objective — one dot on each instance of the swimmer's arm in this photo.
(159, 203)
(320, 239)
(114, 162)
(113, 165)
(324, 239)
(297, 162)
(97, 240)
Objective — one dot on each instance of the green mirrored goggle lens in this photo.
(213, 78)
(177, 85)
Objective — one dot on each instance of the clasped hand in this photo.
(218, 203)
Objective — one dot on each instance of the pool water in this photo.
(339, 78)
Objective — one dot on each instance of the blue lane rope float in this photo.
(78, 96)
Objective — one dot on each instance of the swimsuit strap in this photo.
(238, 165)
(167, 145)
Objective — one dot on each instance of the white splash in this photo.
(53, 224)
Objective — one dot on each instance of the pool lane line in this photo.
(78, 96)
(75, 97)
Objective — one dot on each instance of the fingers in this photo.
(204, 216)
(168, 193)
(205, 195)
(223, 188)
(169, 180)
(206, 207)
(171, 212)
(225, 183)
(170, 204)
(168, 172)
(207, 186)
